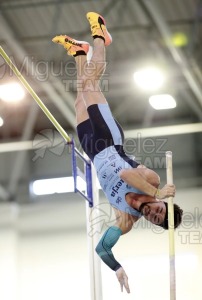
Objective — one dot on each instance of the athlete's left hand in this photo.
(167, 191)
(123, 279)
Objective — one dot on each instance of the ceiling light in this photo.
(1, 122)
(162, 101)
(149, 79)
(11, 92)
(179, 39)
(56, 185)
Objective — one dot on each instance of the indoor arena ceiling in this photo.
(142, 31)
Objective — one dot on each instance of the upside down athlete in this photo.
(131, 188)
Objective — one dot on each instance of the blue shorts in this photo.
(102, 139)
(101, 131)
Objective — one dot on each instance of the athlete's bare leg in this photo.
(88, 75)
(91, 75)
(80, 106)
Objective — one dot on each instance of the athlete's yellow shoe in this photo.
(98, 27)
(73, 47)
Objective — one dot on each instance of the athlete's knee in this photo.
(88, 83)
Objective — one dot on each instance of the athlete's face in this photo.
(154, 212)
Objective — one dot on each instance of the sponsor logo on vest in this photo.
(105, 186)
(116, 188)
(102, 165)
(104, 175)
(118, 169)
(118, 200)
(111, 157)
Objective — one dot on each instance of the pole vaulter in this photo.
(131, 188)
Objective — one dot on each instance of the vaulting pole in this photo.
(34, 95)
(169, 172)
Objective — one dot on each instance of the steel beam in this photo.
(152, 9)
(134, 133)
(164, 130)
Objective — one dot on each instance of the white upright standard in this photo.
(93, 236)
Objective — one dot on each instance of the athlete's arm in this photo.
(124, 223)
(111, 236)
(105, 245)
(137, 179)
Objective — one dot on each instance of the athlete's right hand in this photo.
(123, 279)
(167, 191)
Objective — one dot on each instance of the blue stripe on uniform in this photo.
(107, 116)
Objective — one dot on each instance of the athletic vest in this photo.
(108, 163)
